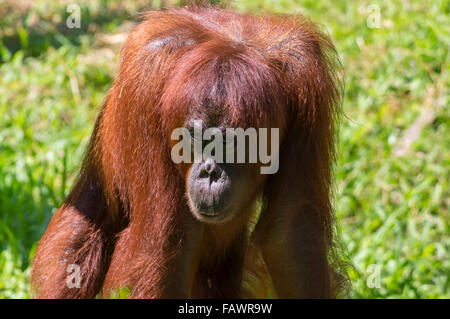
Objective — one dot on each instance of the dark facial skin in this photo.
(218, 191)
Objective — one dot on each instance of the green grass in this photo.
(392, 197)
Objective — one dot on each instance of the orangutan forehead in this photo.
(212, 111)
(223, 90)
(218, 81)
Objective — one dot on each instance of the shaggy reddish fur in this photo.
(126, 222)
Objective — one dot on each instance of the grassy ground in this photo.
(393, 170)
